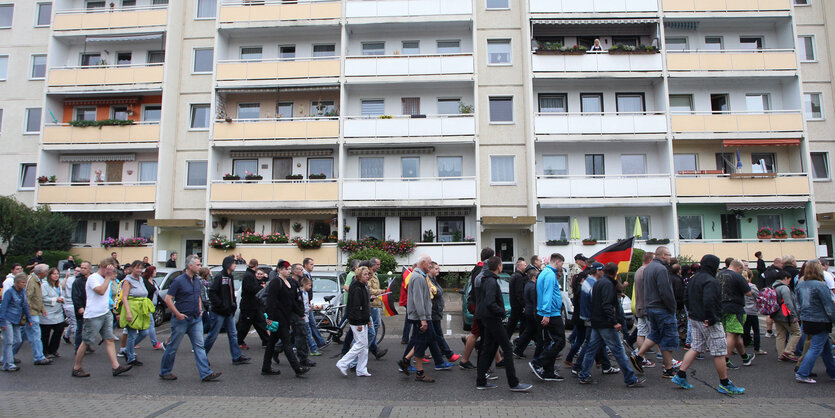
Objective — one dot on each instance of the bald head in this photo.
(40, 270)
(736, 266)
(663, 253)
(424, 262)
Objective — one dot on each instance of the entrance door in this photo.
(504, 249)
(282, 167)
(194, 246)
(730, 226)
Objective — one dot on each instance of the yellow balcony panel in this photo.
(125, 254)
(277, 12)
(732, 61)
(802, 249)
(104, 76)
(231, 71)
(267, 253)
(63, 134)
(726, 186)
(692, 186)
(280, 191)
(688, 123)
(752, 123)
(798, 184)
(725, 5)
(787, 122)
(714, 62)
(780, 61)
(122, 19)
(66, 194)
(277, 129)
(770, 122)
(723, 186)
(277, 70)
(744, 62)
(758, 187)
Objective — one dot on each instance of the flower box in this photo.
(589, 242)
(231, 177)
(556, 242)
(317, 176)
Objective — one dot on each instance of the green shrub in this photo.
(637, 259)
(50, 256)
(387, 261)
(43, 230)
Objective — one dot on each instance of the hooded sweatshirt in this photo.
(703, 296)
(222, 291)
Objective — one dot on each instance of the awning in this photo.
(508, 220)
(760, 142)
(176, 223)
(691, 26)
(125, 38)
(391, 151)
(281, 212)
(409, 212)
(593, 21)
(91, 158)
(289, 153)
(276, 89)
(765, 206)
(102, 101)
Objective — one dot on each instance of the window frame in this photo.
(490, 99)
(686, 40)
(644, 173)
(81, 180)
(602, 102)
(26, 114)
(410, 41)
(197, 10)
(541, 96)
(333, 173)
(81, 225)
(486, 7)
(23, 170)
(503, 41)
(719, 37)
(820, 103)
(439, 219)
(405, 158)
(761, 39)
(701, 226)
(544, 166)
(594, 165)
(557, 220)
(11, 19)
(438, 46)
(38, 6)
(363, 219)
(371, 159)
(32, 58)
(494, 182)
(695, 160)
(372, 115)
(814, 48)
(765, 98)
(242, 175)
(363, 45)
(806, 4)
(192, 108)
(253, 47)
(76, 109)
(320, 45)
(688, 96)
(7, 57)
(247, 105)
(827, 166)
(186, 184)
(194, 60)
(604, 230)
(145, 109)
(448, 100)
(640, 94)
(438, 166)
(630, 226)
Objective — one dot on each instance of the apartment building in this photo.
(454, 123)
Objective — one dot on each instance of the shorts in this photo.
(664, 329)
(710, 338)
(476, 328)
(731, 323)
(643, 327)
(100, 325)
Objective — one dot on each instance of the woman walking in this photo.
(135, 311)
(817, 311)
(53, 323)
(359, 317)
(153, 295)
(281, 297)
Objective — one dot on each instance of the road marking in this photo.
(166, 409)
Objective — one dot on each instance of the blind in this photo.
(373, 107)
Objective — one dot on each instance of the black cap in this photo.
(597, 266)
(580, 256)
(282, 263)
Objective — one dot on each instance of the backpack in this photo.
(262, 296)
(767, 301)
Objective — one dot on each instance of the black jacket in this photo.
(249, 288)
(678, 290)
(703, 297)
(517, 289)
(79, 293)
(576, 285)
(605, 307)
(359, 304)
(222, 294)
(298, 300)
(490, 302)
(280, 301)
(530, 298)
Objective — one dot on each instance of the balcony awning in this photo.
(765, 206)
(288, 153)
(508, 220)
(176, 223)
(288, 89)
(760, 142)
(391, 151)
(672, 24)
(593, 21)
(125, 38)
(102, 101)
(279, 212)
(92, 158)
(410, 212)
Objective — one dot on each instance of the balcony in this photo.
(738, 122)
(133, 18)
(726, 6)
(407, 8)
(803, 249)
(258, 130)
(99, 193)
(743, 185)
(609, 186)
(679, 62)
(577, 247)
(64, 134)
(447, 254)
(409, 65)
(600, 124)
(237, 12)
(324, 256)
(121, 76)
(593, 6)
(587, 64)
(406, 126)
(425, 188)
(278, 69)
(274, 190)
(125, 254)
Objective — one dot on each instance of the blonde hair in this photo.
(814, 271)
(748, 274)
(204, 272)
(362, 270)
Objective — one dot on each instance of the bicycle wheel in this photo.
(381, 332)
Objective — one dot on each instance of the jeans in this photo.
(311, 342)
(439, 338)
(556, 331)
(820, 347)
(51, 337)
(600, 356)
(372, 331)
(664, 329)
(407, 326)
(152, 332)
(690, 330)
(752, 322)
(314, 331)
(179, 328)
(580, 330)
(299, 337)
(802, 340)
(420, 341)
(228, 322)
(79, 327)
(610, 338)
(135, 336)
(494, 336)
(33, 334)
(358, 351)
(68, 313)
(11, 336)
(531, 333)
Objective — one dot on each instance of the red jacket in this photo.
(404, 287)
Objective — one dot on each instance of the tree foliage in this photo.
(13, 214)
(24, 230)
(387, 261)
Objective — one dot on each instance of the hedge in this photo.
(51, 257)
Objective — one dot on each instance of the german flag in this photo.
(619, 253)
(389, 305)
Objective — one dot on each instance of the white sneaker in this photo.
(676, 364)
(366, 374)
(343, 371)
(121, 352)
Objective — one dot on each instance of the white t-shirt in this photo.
(830, 282)
(8, 283)
(97, 305)
(68, 292)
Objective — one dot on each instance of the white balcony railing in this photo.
(593, 6)
(590, 62)
(421, 188)
(600, 123)
(443, 253)
(409, 126)
(608, 186)
(397, 8)
(408, 65)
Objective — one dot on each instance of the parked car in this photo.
(504, 285)
(164, 277)
(326, 283)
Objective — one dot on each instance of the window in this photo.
(372, 107)
(725, 162)
(720, 103)
(322, 108)
(159, 2)
(410, 105)
(242, 167)
(285, 110)
(200, 116)
(555, 165)
(806, 47)
(410, 229)
(625, 40)
(203, 60)
(597, 228)
(287, 51)
(812, 104)
(124, 58)
(553, 103)
(633, 163)
(79, 235)
(591, 102)
(152, 113)
(85, 113)
(502, 169)
(327, 50)
(320, 166)
(630, 102)
(38, 71)
(4, 67)
(249, 110)
(751, 42)
(801, 2)
(681, 102)
(119, 112)
(501, 110)
(594, 165)
(28, 172)
(373, 48)
(769, 221)
(158, 57)
(497, 4)
(713, 43)
(148, 171)
(630, 226)
(320, 227)
(449, 106)
(371, 168)
(498, 51)
(252, 53)
(44, 14)
(6, 15)
(206, 9)
(281, 226)
(690, 227)
(80, 173)
(197, 173)
(677, 44)
(763, 162)
(242, 226)
(110, 229)
(128, 3)
(92, 5)
(33, 120)
(91, 60)
(410, 168)
(686, 162)
(450, 166)
(144, 230)
(372, 228)
(820, 165)
(757, 103)
(282, 167)
(556, 228)
(450, 229)
(449, 47)
(410, 47)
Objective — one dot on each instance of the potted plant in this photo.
(658, 241)
(465, 109)
(230, 176)
(320, 176)
(276, 238)
(297, 227)
(589, 241)
(250, 238)
(780, 234)
(308, 244)
(428, 236)
(43, 179)
(556, 242)
(764, 233)
(294, 177)
(252, 176)
(798, 232)
(221, 243)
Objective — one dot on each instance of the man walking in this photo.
(32, 329)
(308, 264)
(660, 303)
(224, 305)
(419, 311)
(297, 317)
(549, 307)
(639, 307)
(517, 298)
(785, 318)
(734, 289)
(79, 300)
(252, 313)
(475, 329)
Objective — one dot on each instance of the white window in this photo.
(555, 165)
(556, 228)
(630, 226)
(633, 163)
(757, 103)
(373, 48)
(203, 60)
(85, 113)
(409, 167)
(322, 108)
(553, 103)
(630, 102)
(148, 171)
(713, 43)
(253, 53)
(320, 166)
(449, 106)
(152, 113)
(813, 106)
(690, 227)
(200, 116)
(156, 57)
(677, 44)
(38, 71)
(681, 102)
(686, 162)
(411, 48)
(32, 121)
(449, 47)
(326, 50)
(285, 110)
(450, 166)
(196, 173)
(206, 9)
(595, 165)
(92, 5)
(498, 51)
(806, 47)
(501, 109)
(28, 172)
(597, 228)
(249, 110)
(820, 165)
(769, 221)
(43, 16)
(80, 172)
(371, 168)
(243, 167)
(751, 42)
(497, 4)
(91, 59)
(373, 107)
(502, 169)
(6, 15)
(4, 67)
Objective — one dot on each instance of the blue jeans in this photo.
(33, 334)
(439, 338)
(311, 342)
(372, 331)
(610, 338)
(407, 328)
(152, 332)
(819, 347)
(194, 328)
(664, 329)
(314, 332)
(689, 338)
(218, 322)
(579, 334)
(798, 349)
(134, 337)
(11, 336)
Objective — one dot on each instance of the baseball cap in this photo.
(580, 256)
(282, 264)
(597, 266)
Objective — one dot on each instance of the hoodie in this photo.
(703, 297)
(784, 295)
(490, 300)
(549, 296)
(222, 290)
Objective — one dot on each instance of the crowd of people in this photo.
(707, 310)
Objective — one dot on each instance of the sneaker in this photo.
(243, 347)
(636, 363)
(43, 362)
(521, 387)
(536, 370)
(500, 364)
(67, 340)
(647, 364)
(379, 354)
(170, 376)
(637, 383)
(491, 376)
(241, 360)
(676, 364)
(553, 378)
(301, 371)
(730, 389)
(424, 378)
(587, 381)
(682, 382)
(412, 369)
(760, 352)
(788, 357)
(746, 361)
(212, 376)
(159, 346)
(454, 357)
(611, 370)
(575, 372)
(517, 355)
(444, 366)
(315, 353)
(487, 385)
(807, 379)
(466, 365)
(669, 374)
(79, 373)
(12, 369)
(275, 372)
(136, 347)
(731, 366)
(121, 369)
(769, 334)
(403, 366)
(700, 356)
(121, 352)
(135, 362)
(659, 356)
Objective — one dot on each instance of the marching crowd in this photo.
(709, 309)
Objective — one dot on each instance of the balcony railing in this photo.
(768, 121)
(732, 60)
(126, 254)
(608, 186)
(593, 6)
(803, 249)
(419, 188)
(278, 69)
(776, 185)
(726, 6)
(409, 126)
(397, 8)
(444, 253)
(64, 134)
(274, 190)
(244, 12)
(576, 246)
(111, 75)
(408, 65)
(86, 193)
(282, 128)
(591, 62)
(108, 18)
(600, 123)
(324, 256)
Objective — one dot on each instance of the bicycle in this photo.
(330, 321)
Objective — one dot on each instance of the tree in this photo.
(12, 215)
(43, 230)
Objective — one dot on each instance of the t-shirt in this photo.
(186, 294)
(306, 306)
(97, 305)
(734, 288)
(827, 277)
(8, 283)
